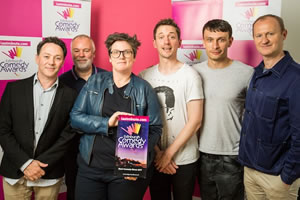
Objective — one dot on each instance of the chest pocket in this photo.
(266, 106)
(269, 108)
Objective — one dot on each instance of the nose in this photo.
(81, 53)
(122, 54)
(51, 61)
(216, 44)
(265, 39)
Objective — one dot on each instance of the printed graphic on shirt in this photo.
(167, 94)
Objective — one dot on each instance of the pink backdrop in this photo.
(24, 18)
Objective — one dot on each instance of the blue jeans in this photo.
(98, 184)
(181, 184)
(221, 177)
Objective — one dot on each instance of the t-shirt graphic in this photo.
(169, 100)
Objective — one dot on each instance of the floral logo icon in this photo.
(133, 128)
(14, 52)
(67, 13)
(194, 55)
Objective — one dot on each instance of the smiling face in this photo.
(49, 61)
(122, 64)
(268, 37)
(83, 53)
(166, 42)
(216, 44)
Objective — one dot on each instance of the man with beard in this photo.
(83, 53)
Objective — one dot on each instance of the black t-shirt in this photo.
(103, 155)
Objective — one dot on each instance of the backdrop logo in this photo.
(194, 55)
(67, 24)
(68, 13)
(13, 65)
(250, 13)
(133, 128)
(14, 52)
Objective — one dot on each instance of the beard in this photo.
(83, 66)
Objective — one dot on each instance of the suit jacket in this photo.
(17, 129)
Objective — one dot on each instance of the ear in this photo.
(230, 41)
(36, 59)
(284, 34)
(154, 44)
(109, 60)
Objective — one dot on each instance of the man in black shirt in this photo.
(83, 54)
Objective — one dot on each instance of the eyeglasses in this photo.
(116, 53)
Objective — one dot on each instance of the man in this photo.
(225, 84)
(83, 53)
(270, 137)
(34, 127)
(179, 89)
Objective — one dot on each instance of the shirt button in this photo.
(36, 132)
(39, 118)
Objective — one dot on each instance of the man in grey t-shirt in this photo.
(225, 83)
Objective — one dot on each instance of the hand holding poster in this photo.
(132, 146)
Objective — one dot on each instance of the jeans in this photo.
(99, 184)
(181, 184)
(221, 177)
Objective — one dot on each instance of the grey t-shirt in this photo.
(225, 93)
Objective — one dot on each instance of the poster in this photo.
(132, 146)
(17, 57)
(66, 19)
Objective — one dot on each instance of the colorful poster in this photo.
(66, 19)
(17, 60)
(132, 146)
(242, 13)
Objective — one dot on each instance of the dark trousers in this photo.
(181, 184)
(220, 178)
(98, 184)
(71, 167)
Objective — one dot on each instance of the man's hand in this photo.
(34, 170)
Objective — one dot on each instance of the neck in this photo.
(270, 62)
(84, 74)
(169, 66)
(121, 79)
(219, 64)
(46, 82)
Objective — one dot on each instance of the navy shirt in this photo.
(71, 79)
(270, 136)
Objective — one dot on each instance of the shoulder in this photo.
(98, 69)
(147, 72)
(189, 72)
(200, 66)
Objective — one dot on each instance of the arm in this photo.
(291, 169)
(84, 115)
(8, 141)
(195, 112)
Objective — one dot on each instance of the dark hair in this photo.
(132, 41)
(218, 25)
(277, 18)
(54, 40)
(168, 22)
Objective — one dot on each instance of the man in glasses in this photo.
(179, 89)
(83, 53)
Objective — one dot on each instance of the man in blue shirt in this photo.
(83, 54)
(270, 136)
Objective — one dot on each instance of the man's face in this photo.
(49, 61)
(166, 41)
(83, 53)
(216, 44)
(268, 37)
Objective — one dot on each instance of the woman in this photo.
(95, 113)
